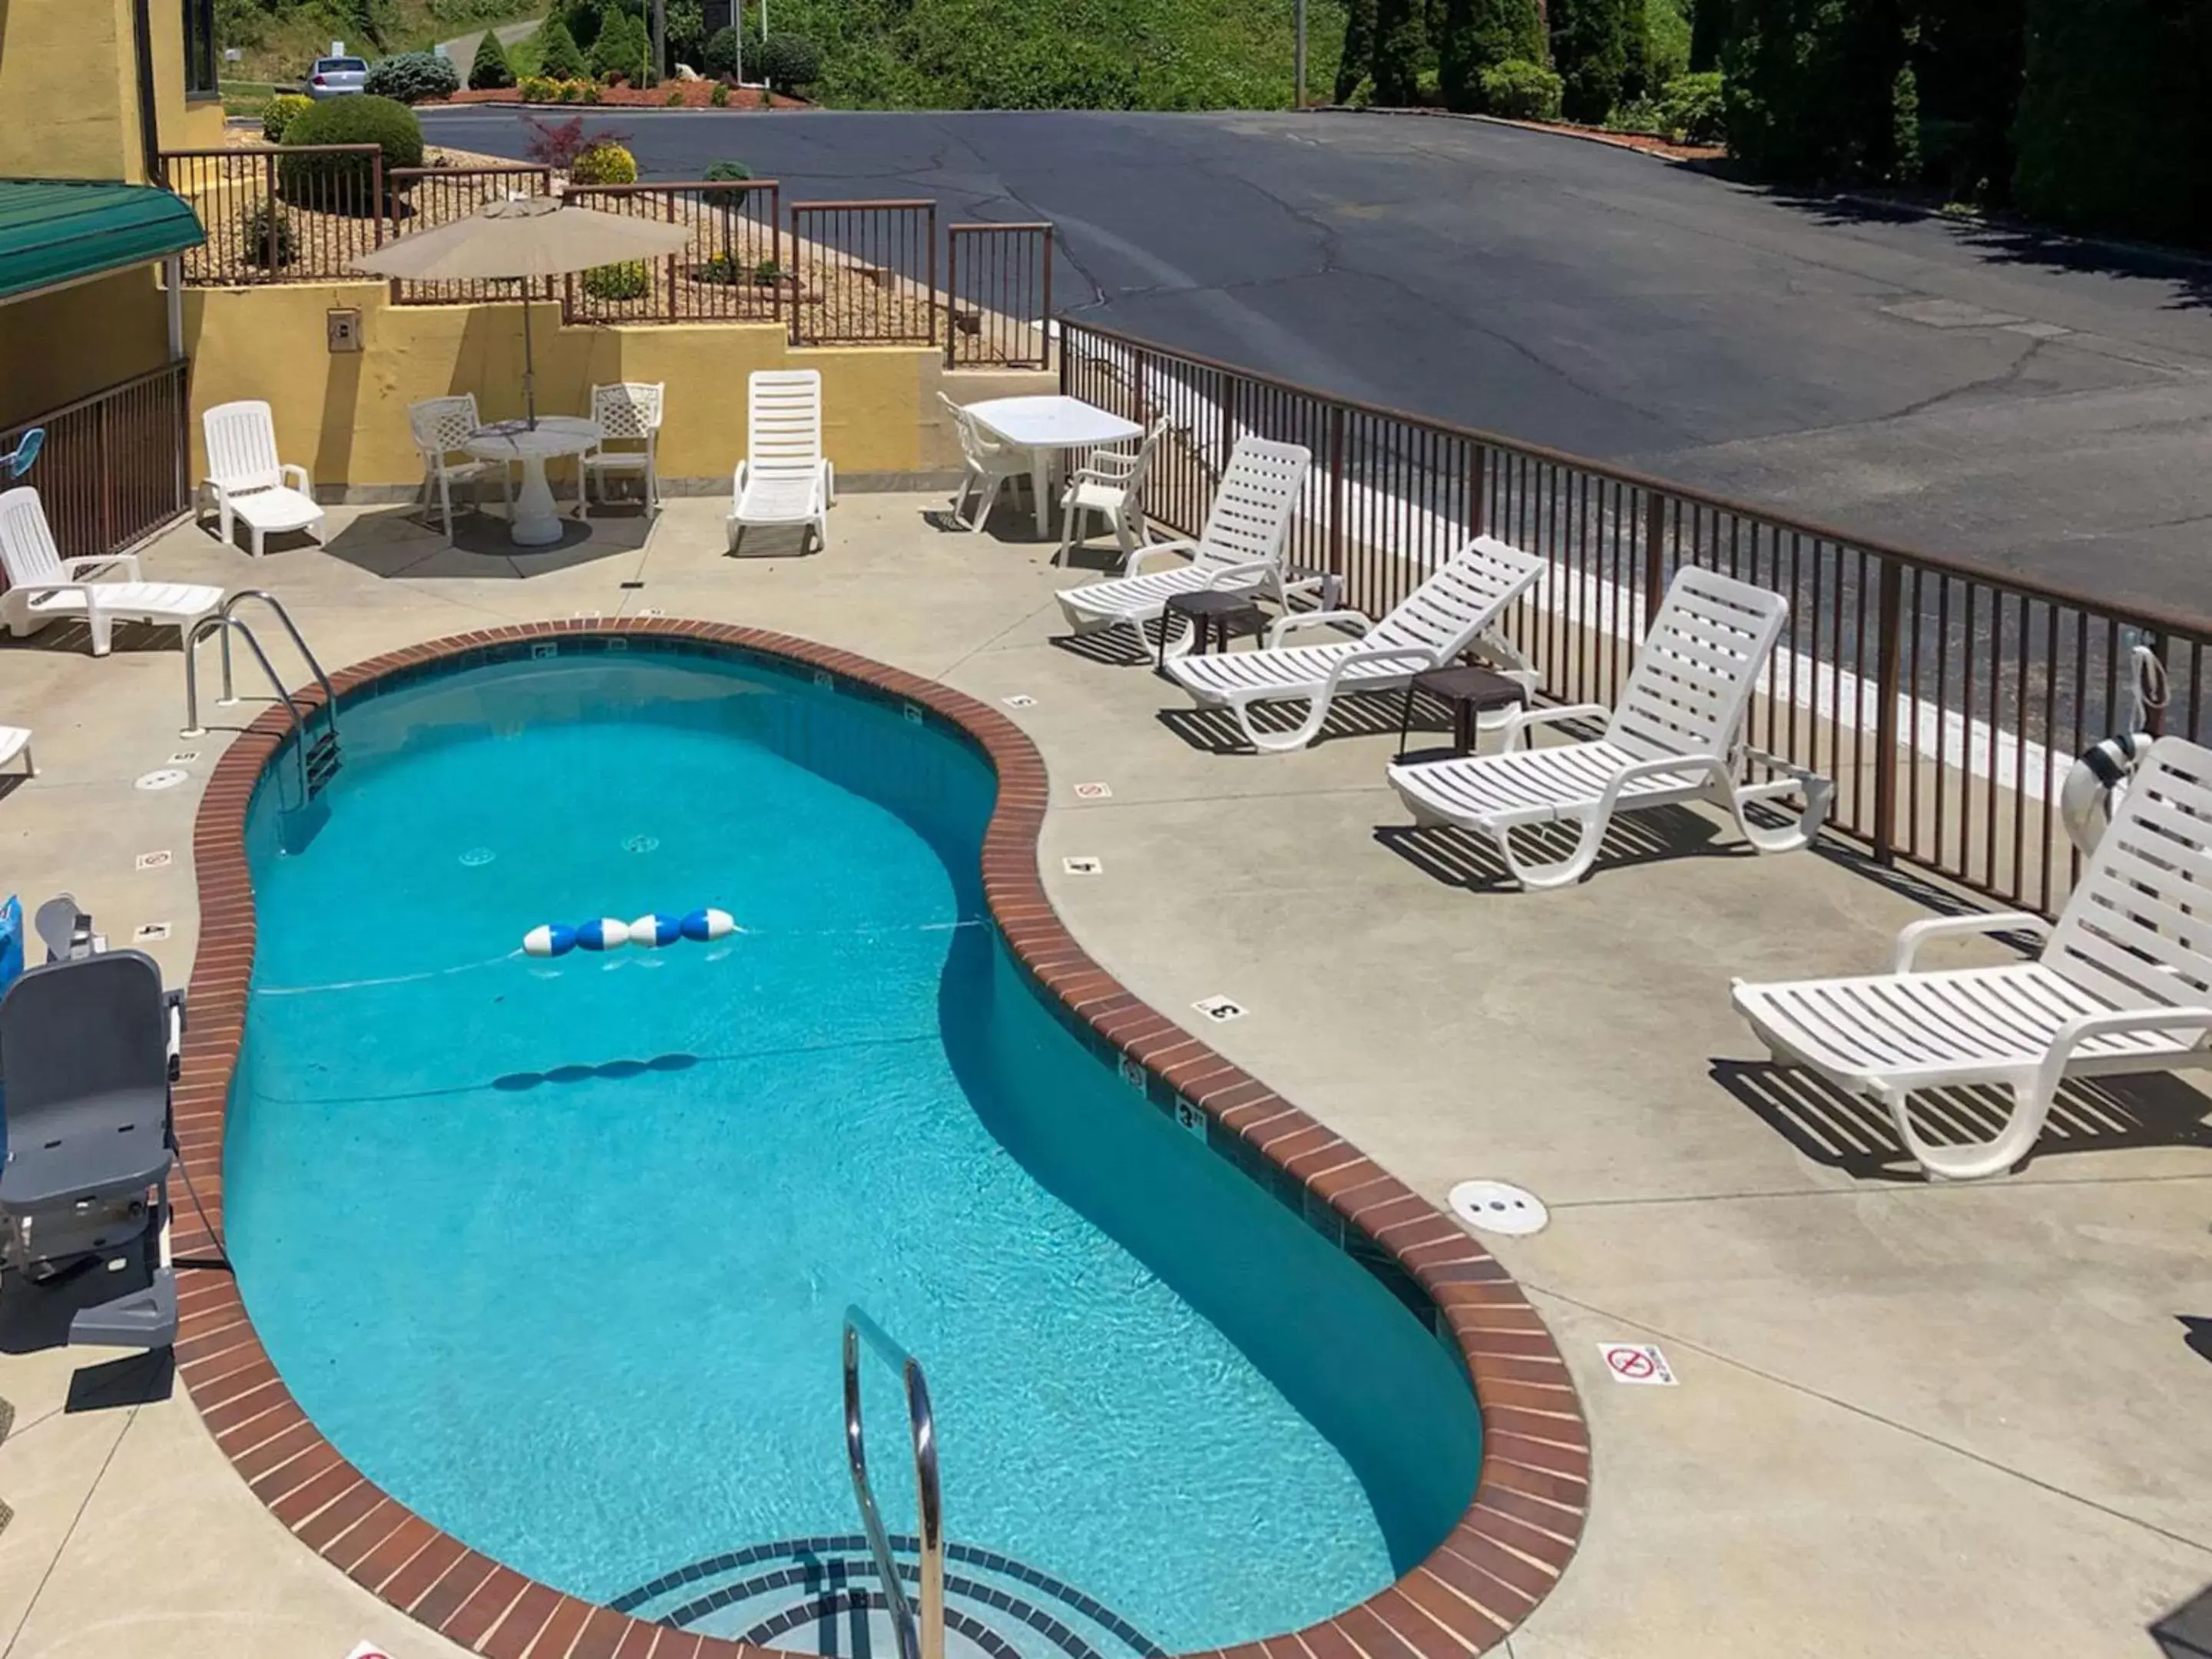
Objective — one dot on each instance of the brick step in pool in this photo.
(823, 1596)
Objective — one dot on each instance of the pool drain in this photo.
(477, 857)
(641, 844)
(1499, 1206)
(167, 777)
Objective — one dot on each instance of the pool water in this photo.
(558, 1252)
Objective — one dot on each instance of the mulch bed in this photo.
(689, 94)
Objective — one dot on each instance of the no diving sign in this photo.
(1637, 1362)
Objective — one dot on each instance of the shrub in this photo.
(1667, 44)
(558, 143)
(787, 62)
(767, 273)
(1590, 44)
(604, 162)
(341, 183)
(558, 55)
(253, 237)
(539, 89)
(1522, 91)
(719, 172)
(721, 54)
(1400, 38)
(1480, 34)
(1692, 110)
(627, 281)
(685, 33)
(412, 77)
(1812, 89)
(719, 98)
(489, 70)
(623, 48)
(283, 109)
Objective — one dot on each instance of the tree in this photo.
(1480, 34)
(1399, 39)
(1709, 32)
(1359, 59)
(623, 49)
(1812, 89)
(559, 58)
(1636, 50)
(490, 69)
(1589, 48)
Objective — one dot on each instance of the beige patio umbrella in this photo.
(520, 238)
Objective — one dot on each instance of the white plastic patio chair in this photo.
(784, 478)
(1674, 738)
(2123, 983)
(440, 426)
(246, 479)
(628, 413)
(43, 586)
(1239, 550)
(991, 465)
(1446, 615)
(1112, 485)
(15, 744)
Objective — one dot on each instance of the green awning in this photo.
(59, 230)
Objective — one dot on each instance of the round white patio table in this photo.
(537, 522)
(1049, 427)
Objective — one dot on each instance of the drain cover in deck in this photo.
(1499, 1206)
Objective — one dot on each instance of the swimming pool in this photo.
(558, 1252)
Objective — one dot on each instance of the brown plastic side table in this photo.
(1470, 691)
(1222, 609)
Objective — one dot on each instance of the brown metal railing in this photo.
(114, 467)
(867, 272)
(998, 295)
(423, 198)
(732, 270)
(1946, 699)
(299, 213)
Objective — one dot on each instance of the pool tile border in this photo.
(1502, 1557)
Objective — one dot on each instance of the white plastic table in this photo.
(537, 523)
(1049, 427)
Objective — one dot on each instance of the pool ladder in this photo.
(317, 753)
(920, 1636)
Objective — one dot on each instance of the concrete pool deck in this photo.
(1909, 1419)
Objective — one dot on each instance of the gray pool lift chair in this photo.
(89, 1047)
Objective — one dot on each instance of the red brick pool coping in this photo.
(1503, 1557)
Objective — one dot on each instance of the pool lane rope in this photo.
(651, 932)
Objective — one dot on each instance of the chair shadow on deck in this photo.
(1353, 715)
(409, 541)
(1853, 1135)
(1464, 858)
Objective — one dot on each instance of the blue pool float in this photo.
(650, 931)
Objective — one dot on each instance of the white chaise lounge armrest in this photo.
(1132, 565)
(1358, 621)
(296, 478)
(1659, 766)
(1518, 720)
(738, 483)
(1239, 575)
(129, 561)
(830, 482)
(2121, 1022)
(1905, 952)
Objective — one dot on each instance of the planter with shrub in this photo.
(604, 163)
(412, 77)
(627, 281)
(342, 184)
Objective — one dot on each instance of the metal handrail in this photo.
(224, 624)
(922, 1639)
(230, 610)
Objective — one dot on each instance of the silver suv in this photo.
(333, 77)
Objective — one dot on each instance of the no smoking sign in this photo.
(1637, 1362)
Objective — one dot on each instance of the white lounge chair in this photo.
(16, 742)
(1240, 550)
(784, 478)
(2123, 983)
(628, 412)
(246, 479)
(1112, 485)
(439, 426)
(1674, 738)
(43, 586)
(991, 464)
(1428, 629)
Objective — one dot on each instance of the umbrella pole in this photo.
(529, 364)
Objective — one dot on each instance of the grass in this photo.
(276, 45)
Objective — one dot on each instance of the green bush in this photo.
(1480, 34)
(788, 61)
(1667, 33)
(341, 183)
(1589, 46)
(627, 281)
(559, 57)
(604, 164)
(490, 71)
(1812, 89)
(253, 237)
(283, 109)
(623, 48)
(1401, 40)
(412, 77)
(721, 54)
(1693, 109)
(539, 89)
(719, 172)
(1522, 91)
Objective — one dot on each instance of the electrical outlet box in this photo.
(344, 324)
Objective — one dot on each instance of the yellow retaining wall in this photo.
(343, 415)
(58, 347)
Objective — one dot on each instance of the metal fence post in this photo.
(930, 232)
(271, 217)
(1336, 490)
(1889, 619)
(1478, 470)
(951, 286)
(1655, 554)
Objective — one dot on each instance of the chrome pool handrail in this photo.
(922, 1639)
(230, 608)
(225, 625)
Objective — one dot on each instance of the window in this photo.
(200, 54)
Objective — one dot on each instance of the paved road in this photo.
(462, 48)
(2041, 406)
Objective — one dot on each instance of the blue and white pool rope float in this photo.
(651, 931)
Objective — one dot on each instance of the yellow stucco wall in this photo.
(56, 348)
(69, 89)
(343, 415)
